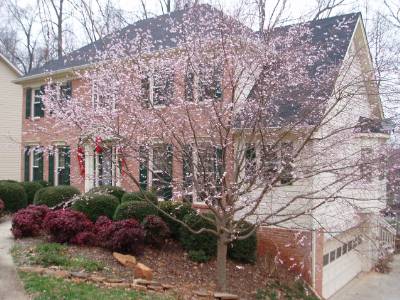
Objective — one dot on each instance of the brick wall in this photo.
(292, 249)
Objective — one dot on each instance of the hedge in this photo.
(54, 195)
(177, 210)
(13, 195)
(31, 187)
(140, 196)
(116, 191)
(137, 210)
(204, 241)
(244, 250)
(96, 205)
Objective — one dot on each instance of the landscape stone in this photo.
(139, 288)
(225, 296)
(143, 271)
(114, 280)
(125, 259)
(38, 270)
(97, 278)
(156, 288)
(202, 293)
(81, 275)
(167, 286)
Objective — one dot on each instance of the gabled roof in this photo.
(164, 37)
(10, 64)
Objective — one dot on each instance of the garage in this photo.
(341, 263)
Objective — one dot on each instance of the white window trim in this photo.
(32, 151)
(95, 95)
(34, 88)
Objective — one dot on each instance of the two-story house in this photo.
(327, 227)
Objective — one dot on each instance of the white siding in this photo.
(10, 123)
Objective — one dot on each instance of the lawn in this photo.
(44, 287)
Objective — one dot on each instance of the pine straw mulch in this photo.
(170, 266)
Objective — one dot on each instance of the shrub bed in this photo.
(204, 241)
(13, 195)
(137, 210)
(54, 195)
(28, 221)
(244, 250)
(116, 191)
(156, 231)
(126, 236)
(177, 210)
(140, 196)
(64, 224)
(2, 206)
(31, 187)
(96, 205)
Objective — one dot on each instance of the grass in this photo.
(294, 291)
(53, 254)
(49, 288)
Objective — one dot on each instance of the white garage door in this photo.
(341, 264)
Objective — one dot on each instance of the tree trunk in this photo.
(221, 263)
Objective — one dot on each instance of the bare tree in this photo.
(325, 7)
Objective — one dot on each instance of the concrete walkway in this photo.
(373, 285)
(10, 286)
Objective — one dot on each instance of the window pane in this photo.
(344, 247)
(338, 252)
(250, 161)
(269, 162)
(332, 256)
(326, 259)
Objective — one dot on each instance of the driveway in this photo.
(10, 285)
(373, 285)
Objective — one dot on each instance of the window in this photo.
(162, 170)
(103, 96)
(332, 256)
(66, 91)
(349, 246)
(274, 157)
(33, 163)
(205, 84)
(326, 259)
(38, 108)
(187, 165)
(250, 161)
(59, 166)
(365, 164)
(157, 89)
(344, 249)
(338, 252)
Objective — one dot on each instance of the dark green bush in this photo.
(198, 256)
(175, 209)
(137, 210)
(54, 195)
(116, 191)
(204, 241)
(244, 250)
(140, 196)
(31, 187)
(95, 205)
(43, 183)
(13, 195)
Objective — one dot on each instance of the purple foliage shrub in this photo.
(85, 238)
(64, 224)
(156, 231)
(28, 221)
(126, 236)
(2, 206)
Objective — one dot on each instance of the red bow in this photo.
(81, 160)
(98, 147)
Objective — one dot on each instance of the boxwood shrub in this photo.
(116, 191)
(175, 209)
(31, 187)
(244, 250)
(204, 241)
(96, 205)
(137, 210)
(13, 195)
(54, 195)
(140, 196)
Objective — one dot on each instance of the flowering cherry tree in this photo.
(252, 127)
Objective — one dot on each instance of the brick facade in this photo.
(293, 250)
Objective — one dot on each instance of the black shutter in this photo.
(41, 108)
(167, 190)
(143, 167)
(145, 91)
(40, 163)
(26, 163)
(28, 102)
(51, 168)
(67, 170)
(68, 92)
